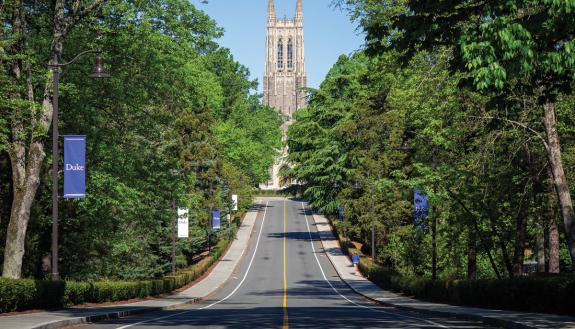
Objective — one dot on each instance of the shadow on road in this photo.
(272, 317)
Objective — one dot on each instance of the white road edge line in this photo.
(221, 300)
(352, 302)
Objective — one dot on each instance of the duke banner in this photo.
(74, 166)
(183, 223)
(420, 204)
(216, 220)
(234, 202)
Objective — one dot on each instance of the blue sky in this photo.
(328, 32)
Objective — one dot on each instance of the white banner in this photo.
(235, 202)
(183, 223)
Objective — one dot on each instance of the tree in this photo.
(29, 115)
(154, 137)
(521, 45)
(318, 141)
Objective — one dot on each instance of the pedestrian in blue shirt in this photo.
(355, 261)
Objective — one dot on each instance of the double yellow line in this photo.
(286, 324)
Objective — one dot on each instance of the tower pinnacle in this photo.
(271, 10)
(299, 9)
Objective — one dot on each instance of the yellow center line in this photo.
(285, 325)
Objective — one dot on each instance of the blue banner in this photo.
(420, 205)
(216, 219)
(74, 166)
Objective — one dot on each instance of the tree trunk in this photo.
(520, 239)
(553, 258)
(559, 178)
(26, 181)
(540, 190)
(502, 242)
(554, 264)
(472, 257)
(479, 234)
(541, 252)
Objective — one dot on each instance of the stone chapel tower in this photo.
(285, 78)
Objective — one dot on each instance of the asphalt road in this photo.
(284, 281)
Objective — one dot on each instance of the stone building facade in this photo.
(285, 79)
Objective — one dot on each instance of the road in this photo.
(284, 281)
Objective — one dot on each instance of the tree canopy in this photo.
(455, 101)
(174, 125)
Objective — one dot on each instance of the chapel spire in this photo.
(271, 10)
(299, 9)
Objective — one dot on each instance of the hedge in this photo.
(543, 294)
(26, 294)
(527, 294)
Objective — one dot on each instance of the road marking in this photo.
(352, 302)
(286, 320)
(221, 300)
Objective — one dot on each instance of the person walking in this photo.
(355, 261)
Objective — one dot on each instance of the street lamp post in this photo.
(98, 72)
(372, 223)
(174, 234)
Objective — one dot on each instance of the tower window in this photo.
(280, 54)
(290, 54)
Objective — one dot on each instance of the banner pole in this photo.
(210, 231)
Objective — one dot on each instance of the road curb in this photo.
(112, 315)
(462, 316)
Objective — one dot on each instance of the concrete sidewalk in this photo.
(507, 319)
(220, 273)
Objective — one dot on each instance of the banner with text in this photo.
(183, 223)
(74, 166)
(216, 219)
(234, 202)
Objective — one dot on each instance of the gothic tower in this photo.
(285, 78)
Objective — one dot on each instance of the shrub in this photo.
(528, 294)
(25, 294)
(547, 294)
(17, 294)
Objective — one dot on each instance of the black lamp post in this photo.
(97, 72)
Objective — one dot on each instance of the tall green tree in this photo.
(524, 46)
(157, 137)
(29, 106)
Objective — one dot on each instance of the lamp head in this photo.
(99, 71)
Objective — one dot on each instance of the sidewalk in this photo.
(507, 319)
(220, 273)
